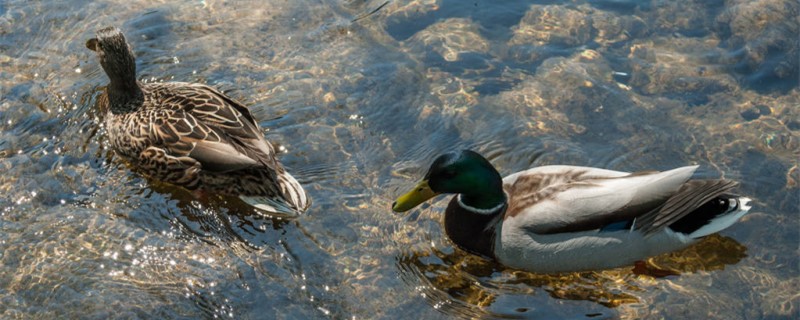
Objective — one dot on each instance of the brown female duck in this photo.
(190, 134)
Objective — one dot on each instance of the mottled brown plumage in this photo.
(189, 134)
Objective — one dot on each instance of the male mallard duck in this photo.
(190, 134)
(569, 218)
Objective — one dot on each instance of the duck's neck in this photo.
(486, 201)
(124, 95)
(472, 217)
(474, 231)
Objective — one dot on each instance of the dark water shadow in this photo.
(495, 19)
(621, 6)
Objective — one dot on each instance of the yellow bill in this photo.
(413, 198)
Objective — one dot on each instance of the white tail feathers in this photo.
(272, 205)
(293, 202)
(293, 191)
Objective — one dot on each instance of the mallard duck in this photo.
(560, 218)
(190, 134)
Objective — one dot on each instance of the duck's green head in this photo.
(115, 55)
(464, 172)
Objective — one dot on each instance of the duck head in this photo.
(463, 172)
(116, 56)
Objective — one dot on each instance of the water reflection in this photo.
(457, 279)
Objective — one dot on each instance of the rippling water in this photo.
(362, 95)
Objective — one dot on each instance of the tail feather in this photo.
(292, 202)
(293, 192)
(693, 202)
(272, 205)
(738, 207)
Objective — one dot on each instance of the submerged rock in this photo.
(451, 39)
(553, 25)
(683, 68)
(762, 42)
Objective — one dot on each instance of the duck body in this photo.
(190, 135)
(568, 218)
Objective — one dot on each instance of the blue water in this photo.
(361, 96)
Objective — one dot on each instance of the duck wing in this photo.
(561, 199)
(206, 125)
(689, 197)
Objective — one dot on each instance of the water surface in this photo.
(361, 96)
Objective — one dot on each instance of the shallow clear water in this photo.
(362, 95)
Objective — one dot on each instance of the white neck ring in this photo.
(480, 211)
